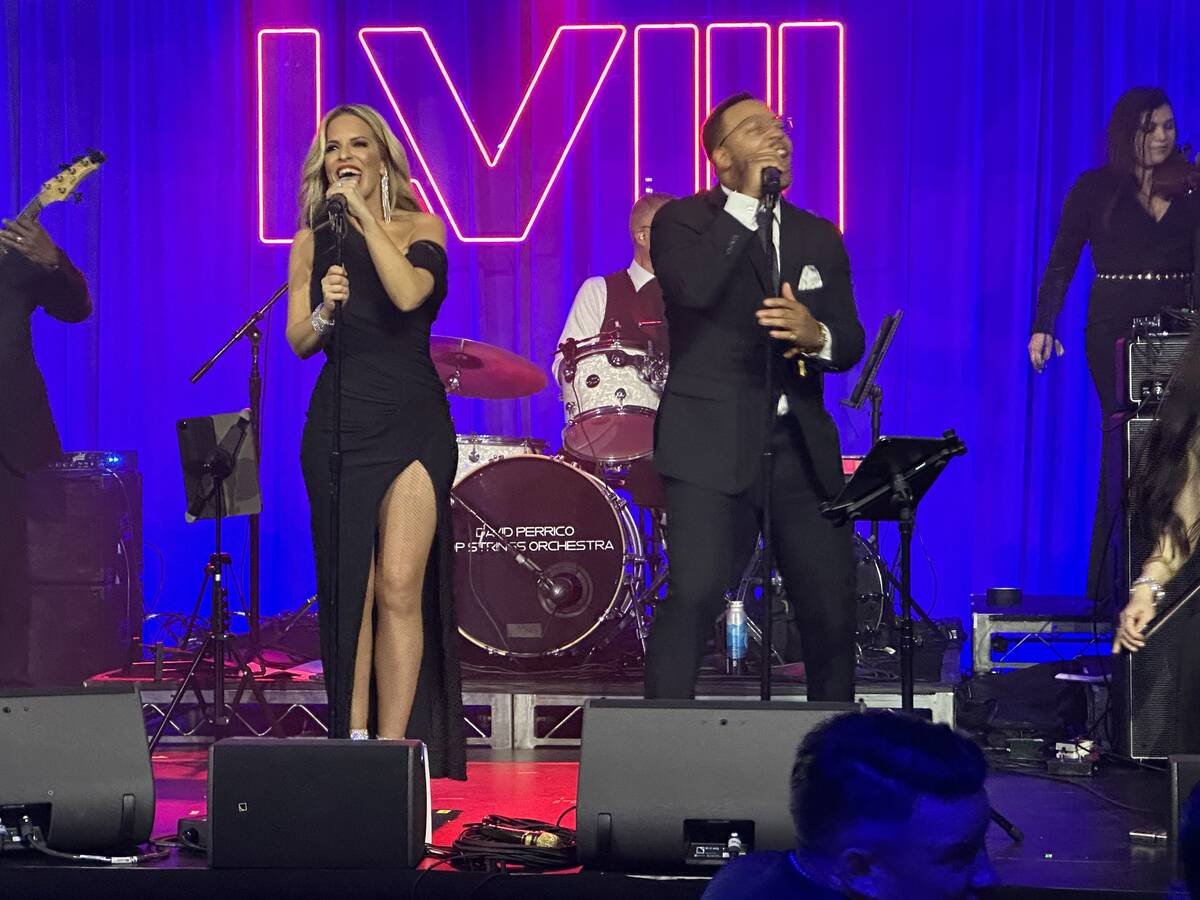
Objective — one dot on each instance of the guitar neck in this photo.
(32, 209)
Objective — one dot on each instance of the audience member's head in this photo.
(888, 806)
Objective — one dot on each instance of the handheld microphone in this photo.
(335, 206)
(771, 186)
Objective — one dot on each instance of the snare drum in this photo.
(544, 555)
(610, 394)
(475, 450)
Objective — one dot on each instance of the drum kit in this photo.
(555, 554)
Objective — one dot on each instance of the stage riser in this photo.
(495, 720)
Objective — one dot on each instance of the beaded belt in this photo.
(1144, 276)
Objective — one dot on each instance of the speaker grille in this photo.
(1152, 674)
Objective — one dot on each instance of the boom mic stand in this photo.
(867, 388)
(250, 330)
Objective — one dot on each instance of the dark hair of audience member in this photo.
(871, 768)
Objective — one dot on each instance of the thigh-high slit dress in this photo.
(394, 414)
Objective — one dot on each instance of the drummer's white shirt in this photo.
(587, 312)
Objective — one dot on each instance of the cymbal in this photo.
(483, 371)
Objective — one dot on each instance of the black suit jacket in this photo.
(712, 422)
(28, 438)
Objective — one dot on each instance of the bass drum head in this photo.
(565, 523)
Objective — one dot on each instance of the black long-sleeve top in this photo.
(30, 438)
(1103, 210)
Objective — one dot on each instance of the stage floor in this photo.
(1076, 841)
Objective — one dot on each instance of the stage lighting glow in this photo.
(258, 41)
(491, 159)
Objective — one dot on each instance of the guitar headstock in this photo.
(63, 185)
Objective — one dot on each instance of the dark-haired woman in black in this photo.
(1142, 248)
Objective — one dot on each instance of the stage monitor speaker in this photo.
(664, 784)
(75, 761)
(317, 803)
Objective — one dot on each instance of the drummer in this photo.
(625, 303)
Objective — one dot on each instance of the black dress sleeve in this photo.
(432, 258)
(1074, 229)
(63, 291)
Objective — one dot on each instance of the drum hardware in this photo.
(554, 589)
(873, 595)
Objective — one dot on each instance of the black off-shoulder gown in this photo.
(394, 413)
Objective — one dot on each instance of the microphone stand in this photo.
(337, 225)
(770, 197)
(249, 329)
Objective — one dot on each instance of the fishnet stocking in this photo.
(391, 639)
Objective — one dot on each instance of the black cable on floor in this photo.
(1017, 770)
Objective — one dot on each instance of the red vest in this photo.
(626, 307)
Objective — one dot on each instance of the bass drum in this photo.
(544, 555)
(872, 600)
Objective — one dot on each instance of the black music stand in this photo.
(867, 388)
(220, 479)
(887, 487)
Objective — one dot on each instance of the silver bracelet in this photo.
(1156, 589)
(320, 324)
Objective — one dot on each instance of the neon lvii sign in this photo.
(799, 67)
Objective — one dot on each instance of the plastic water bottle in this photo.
(735, 635)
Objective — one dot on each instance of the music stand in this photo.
(220, 479)
(867, 388)
(887, 487)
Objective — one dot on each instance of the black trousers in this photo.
(14, 576)
(1106, 559)
(711, 538)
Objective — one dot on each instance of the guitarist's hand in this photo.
(1133, 621)
(30, 240)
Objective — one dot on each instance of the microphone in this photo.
(771, 186)
(336, 205)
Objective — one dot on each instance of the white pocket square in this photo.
(810, 279)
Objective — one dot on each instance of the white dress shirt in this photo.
(587, 311)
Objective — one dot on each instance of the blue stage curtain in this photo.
(966, 124)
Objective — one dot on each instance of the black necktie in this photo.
(766, 223)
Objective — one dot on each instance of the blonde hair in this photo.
(314, 184)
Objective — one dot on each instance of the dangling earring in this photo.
(385, 193)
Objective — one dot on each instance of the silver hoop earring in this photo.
(385, 193)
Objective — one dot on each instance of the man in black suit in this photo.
(33, 272)
(712, 257)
